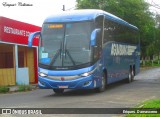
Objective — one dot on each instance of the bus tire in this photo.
(58, 91)
(132, 73)
(103, 86)
(130, 76)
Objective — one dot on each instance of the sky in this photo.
(40, 9)
(36, 13)
(156, 5)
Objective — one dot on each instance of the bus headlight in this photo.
(42, 74)
(87, 73)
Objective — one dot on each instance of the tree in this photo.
(157, 34)
(135, 12)
(157, 19)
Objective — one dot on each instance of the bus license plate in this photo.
(63, 87)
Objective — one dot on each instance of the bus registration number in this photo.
(63, 87)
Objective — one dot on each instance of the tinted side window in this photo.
(109, 30)
(98, 25)
(114, 31)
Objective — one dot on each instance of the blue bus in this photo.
(86, 49)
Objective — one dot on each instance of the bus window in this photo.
(98, 48)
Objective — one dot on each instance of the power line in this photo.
(70, 8)
(67, 9)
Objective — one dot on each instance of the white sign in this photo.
(44, 55)
(122, 50)
(15, 31)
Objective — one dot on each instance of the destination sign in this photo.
(55, 26)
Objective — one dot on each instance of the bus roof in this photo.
(84, 15)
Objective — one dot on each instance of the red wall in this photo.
(16, 32)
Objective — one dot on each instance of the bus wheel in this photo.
(58, 91)
(130, 76)
(103, 86)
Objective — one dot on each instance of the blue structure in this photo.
(86, 49)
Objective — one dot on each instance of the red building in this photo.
(18, 63)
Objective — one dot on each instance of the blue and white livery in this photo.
(86, 49)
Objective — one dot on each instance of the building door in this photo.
(30, 64)
(26, 59)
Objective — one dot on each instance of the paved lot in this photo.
(146, 86)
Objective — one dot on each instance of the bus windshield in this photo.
(65, 45)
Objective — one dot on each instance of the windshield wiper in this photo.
(70, 57)
(58, 53)
(67, 52)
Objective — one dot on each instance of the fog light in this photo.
(42, 83)
(87, 83)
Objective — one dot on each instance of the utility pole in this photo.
(63, 8)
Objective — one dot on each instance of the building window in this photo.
(20, 59)
(6, 60)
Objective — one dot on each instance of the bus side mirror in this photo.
(94, 36)
(31, 37)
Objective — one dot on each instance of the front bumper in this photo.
(81, 83)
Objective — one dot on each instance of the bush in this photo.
(154, 63)
(24, 88)
(4, 89)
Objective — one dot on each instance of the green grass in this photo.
(24, 88)
(147, 104)
(151, 104)
(4, 89)
(150, 64)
